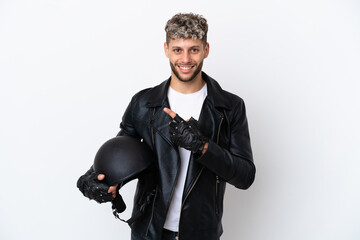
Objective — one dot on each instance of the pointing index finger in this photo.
(171, 113)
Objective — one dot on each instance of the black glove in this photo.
(186, 134)
(92, 188)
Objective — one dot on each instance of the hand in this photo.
(92, 188)
(186, 134)
(112, 189)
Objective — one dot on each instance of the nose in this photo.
(186, 57)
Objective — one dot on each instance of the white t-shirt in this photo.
(186, 106)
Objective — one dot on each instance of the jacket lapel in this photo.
(160, 120)
(209, 123)
(160, 123)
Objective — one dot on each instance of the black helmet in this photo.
(122, 159)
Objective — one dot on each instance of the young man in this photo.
(200, 136)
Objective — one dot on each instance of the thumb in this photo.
(101, 177)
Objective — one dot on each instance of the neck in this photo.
(187, 87)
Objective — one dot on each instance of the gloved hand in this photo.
(186, 134)
(94, 189)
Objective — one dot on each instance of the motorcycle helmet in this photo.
(122, 159)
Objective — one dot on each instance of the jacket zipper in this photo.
(217, 177)
(197, 178)
(182, 204)
(216, 194)
(152, 129)
(153, 205)
(152, 211)
(218, 135)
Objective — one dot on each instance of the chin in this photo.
(188, 78)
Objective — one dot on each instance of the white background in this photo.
(69, 68)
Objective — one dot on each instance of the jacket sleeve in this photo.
(235, 164)
(127, 127)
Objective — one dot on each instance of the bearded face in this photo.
(186, 57)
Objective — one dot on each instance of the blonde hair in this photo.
(186, 25)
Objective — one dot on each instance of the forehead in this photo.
(186, 43)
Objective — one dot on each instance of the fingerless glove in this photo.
(186, 134)
(92, 188)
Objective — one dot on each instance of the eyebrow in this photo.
(196, 46)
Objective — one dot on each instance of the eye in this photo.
(194, 50)
(177, 50)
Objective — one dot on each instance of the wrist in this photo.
(205, 147)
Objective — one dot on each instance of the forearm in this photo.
(236, 170)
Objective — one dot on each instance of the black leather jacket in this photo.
(227, 159)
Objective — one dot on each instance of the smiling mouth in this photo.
(185, 69)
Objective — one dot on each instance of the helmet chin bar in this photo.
(118, 206)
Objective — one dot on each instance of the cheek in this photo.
(199, 58)
(173, 59)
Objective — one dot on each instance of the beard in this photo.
(197, 71)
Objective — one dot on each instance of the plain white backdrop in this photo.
(69, 68)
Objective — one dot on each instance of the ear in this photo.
(166, 49)
(207, 49)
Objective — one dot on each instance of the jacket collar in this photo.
(158, 94)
